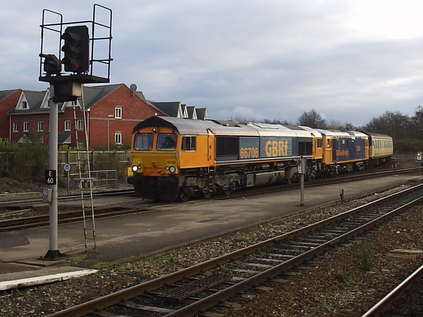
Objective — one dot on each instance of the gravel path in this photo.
(42, 300)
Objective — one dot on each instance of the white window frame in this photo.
(67, 125)
(25, 104)
(118, 137)
(40, 126)
(118, 112)
(79, 125)
(15, 127)
(25, 126)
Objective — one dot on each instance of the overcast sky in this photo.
(350, 60)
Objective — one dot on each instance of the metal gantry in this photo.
(67, 86)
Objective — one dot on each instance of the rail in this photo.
(198, 288)
(387, 302)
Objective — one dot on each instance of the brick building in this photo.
(112, 112)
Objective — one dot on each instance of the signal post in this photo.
(78, 63)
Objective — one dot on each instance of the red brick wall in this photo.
(32, 118)
(100, 127)
(68, 114)
(7, 104)
(134, 110)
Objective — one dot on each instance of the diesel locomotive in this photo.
(176, 159)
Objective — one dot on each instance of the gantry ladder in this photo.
(86, 183)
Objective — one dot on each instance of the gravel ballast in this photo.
(42, 300)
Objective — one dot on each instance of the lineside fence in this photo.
(108, 168)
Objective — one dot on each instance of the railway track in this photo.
(29, 201)
(258, 190)
(398, 300)
(71, 216)
(17, 223)
(199, 288)
(321, 181)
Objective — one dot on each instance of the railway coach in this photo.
(176, 159)
(380, 149)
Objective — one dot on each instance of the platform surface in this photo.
(176, 224)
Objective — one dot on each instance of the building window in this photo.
(25, 105)
(26, 126)
(188, 143)
(118, 138)
(40, 126)
(67, 125)
(15, 126)
(118, 112)
(80, 125)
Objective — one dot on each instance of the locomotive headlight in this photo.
(136, 168)
(171, 169)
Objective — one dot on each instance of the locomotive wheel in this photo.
(184, 195)
(233, 187)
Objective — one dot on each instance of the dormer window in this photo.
(118, 112)
(25, 105)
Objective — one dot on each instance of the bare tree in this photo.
(312, 119)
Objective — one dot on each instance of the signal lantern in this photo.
(76, 49)
(52, 64)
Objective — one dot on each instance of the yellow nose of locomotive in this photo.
(154, 164)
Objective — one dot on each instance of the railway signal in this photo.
(52, 64)
(76, 49)
(67, 86)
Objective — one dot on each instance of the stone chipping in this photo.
(335, 282)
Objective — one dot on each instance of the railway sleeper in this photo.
(154, 309)
(196, 286)
(281, 255)
(269, 260)
(257, 265)
(251, 272)
(333, 231)
(313, 240)
(295, 246)
(306, 244)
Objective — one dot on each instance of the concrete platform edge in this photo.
(39, 280)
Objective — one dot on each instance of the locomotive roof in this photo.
(197, 127)
(314, 132)
(268, 129)
(358, 134)
(333, 133)
(378, 135)
(201, 127)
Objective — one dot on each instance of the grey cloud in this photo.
(263, 59)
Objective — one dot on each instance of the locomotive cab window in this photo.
(143, 141)
(188, 143)
(166, 141)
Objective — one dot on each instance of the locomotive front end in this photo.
(154, 163)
